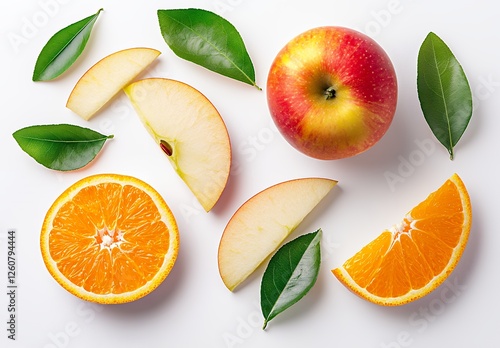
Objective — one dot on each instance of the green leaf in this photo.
(290, 274)
(62, 49)
(444, 92)
(61, 146)
(209, 40)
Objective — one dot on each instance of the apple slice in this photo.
(263, 222)
(106, 78)
(189, 129)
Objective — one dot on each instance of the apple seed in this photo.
(166, 148)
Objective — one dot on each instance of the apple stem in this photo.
(330, 93)
(166, 148)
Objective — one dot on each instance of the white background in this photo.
(192, 308)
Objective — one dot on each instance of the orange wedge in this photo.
(413, 258)
(109, 239)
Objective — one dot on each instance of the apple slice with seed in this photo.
(108, 77)
(189, 130)
(263, 222)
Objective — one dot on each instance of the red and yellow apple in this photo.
(332, 92)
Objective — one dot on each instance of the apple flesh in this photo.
(332, 92)
(106, 78)
(189, 130)
(263, 222)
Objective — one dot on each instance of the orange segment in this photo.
(414, 257)
(109, 239)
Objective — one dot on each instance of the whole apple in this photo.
(332, 92)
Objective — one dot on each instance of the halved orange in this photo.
(109, 238)
(414, 257)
